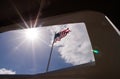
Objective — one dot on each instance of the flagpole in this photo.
(50, 55)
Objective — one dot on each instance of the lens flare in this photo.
(95, 51)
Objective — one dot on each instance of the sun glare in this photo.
(31, 34)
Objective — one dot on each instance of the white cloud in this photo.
(76, 48)
(6, 71)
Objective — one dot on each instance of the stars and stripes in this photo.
(61, 34)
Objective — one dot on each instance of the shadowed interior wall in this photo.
(102, 36)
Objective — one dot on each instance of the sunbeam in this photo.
(43, 42)
(20, 44)
(34, 56)
(21, 16)
(36, 20)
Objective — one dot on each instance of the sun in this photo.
(31, 34)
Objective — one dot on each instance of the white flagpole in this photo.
(50, 55)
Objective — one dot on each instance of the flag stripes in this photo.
(61, 34)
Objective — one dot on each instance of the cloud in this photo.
(76, 48)
(6, 71)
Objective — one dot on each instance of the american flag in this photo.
(61, 34)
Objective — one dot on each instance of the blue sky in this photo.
(19, 55)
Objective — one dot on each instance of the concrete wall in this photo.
(102, 36)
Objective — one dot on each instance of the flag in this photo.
(61, 34)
